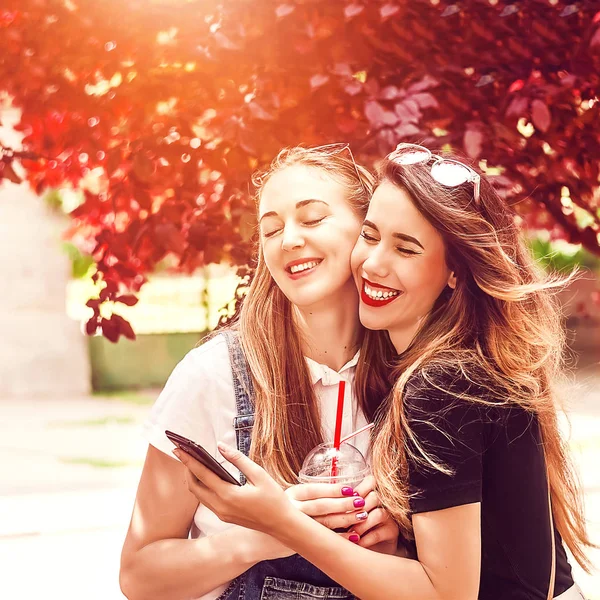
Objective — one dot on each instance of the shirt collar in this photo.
(327, 375)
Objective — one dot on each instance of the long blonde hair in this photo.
(287, 423)
(502, 320)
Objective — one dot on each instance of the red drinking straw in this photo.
(338, 425)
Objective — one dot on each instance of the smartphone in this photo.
(202, 456)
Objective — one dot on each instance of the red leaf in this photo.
(378, 115)
(345, 123)
(389, 92)
(283, 10)
(316, 81)
(110, 329)
(425, 84)
(127, 299)
(387, 10)
(342, 69)
(517, 85)
(143, 167)
(258, 112)
(406, 130)
(407, 110)
(170, 237)
(425, 100)
(113, 160)
(7, 172)
(108, 290)
(540, 115)
(93, 303)
(124, 327)
(473, 142)
(143, 198)
(120, 249)
(518, 107)
(125, 271)
(224, 42)
(91, 327)
(353, 88)
(352, 10)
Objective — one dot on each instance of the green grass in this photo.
(100, 463)
(139, 398)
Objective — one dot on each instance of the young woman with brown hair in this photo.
(269, 384)
(467, 454)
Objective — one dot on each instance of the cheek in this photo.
(269, 255)
(429, 279)
(357, 258)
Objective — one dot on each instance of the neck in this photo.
(401, 338)
(330, 331)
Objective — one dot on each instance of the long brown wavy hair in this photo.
(502, 320)
(287, 423)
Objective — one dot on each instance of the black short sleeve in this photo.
(450, 429)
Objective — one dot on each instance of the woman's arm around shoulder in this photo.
(448, 541)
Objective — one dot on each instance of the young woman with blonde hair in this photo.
(268, 384)
(467, 454)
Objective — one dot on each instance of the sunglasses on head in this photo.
(450, 173)
(336, 148)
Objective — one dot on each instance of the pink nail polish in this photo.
(354, 538)
(355, 494)
(358, 502)
(362, 516)
(347, 491)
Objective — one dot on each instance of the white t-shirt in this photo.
(198, 402)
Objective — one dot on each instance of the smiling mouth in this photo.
(303, 268)
(374, 295)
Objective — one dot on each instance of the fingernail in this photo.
(177, 452)
(354, 538)
(358, 502)
(347, 491)
(362, 516)
(356, 494)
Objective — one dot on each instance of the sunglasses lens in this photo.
(450, 174)
(412, 156)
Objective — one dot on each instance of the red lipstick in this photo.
(376, 303)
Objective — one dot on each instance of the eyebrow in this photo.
(300, 204)
(401, 236)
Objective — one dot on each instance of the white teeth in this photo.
(379, 294)
(303, 266)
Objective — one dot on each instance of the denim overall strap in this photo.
(291, 578)
(244, 392)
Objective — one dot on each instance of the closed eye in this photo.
(367, 237)
(313, 223)
(406, 251)
(271, 233)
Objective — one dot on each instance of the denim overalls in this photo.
(283, 578)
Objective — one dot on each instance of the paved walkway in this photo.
(68, 473)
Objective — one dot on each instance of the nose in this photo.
(375, 265)
(292, 238)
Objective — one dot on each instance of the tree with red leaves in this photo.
(160, 110)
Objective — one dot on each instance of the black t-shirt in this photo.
(495, 453)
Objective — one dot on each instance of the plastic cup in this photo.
(351, 466)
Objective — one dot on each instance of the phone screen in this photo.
(202, 456)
